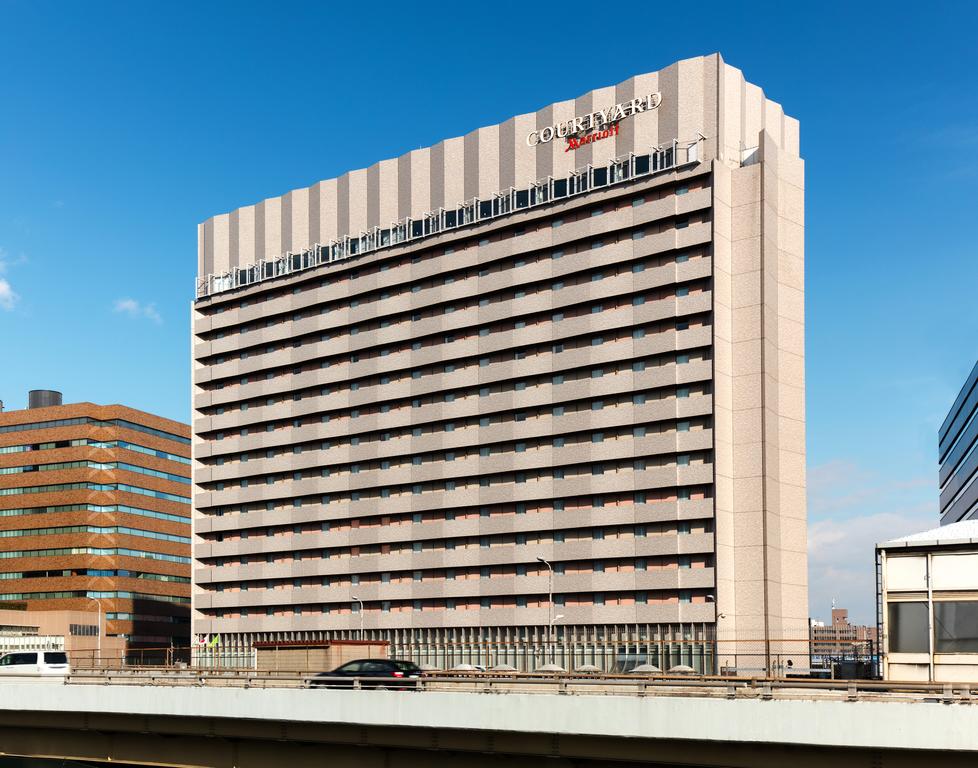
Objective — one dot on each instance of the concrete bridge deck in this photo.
(179, 722)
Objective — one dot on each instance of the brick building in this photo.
(95, 515)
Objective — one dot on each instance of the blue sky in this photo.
(123, 125)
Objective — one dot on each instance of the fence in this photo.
(728, 657)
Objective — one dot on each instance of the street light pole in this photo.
(361, 613)
(550, 606)
(99, 627)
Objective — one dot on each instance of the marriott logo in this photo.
(592, 121)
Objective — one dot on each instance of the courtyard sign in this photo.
(604, 121)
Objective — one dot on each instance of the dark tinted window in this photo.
(353, 666)
(908, 628)
(956, 627)
(406, 666)
(55, 657)
(376, 666)
(20, 658)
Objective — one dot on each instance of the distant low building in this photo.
(928, 598)
(840, 638)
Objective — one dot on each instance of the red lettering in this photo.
(578, 142)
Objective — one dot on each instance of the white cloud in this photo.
(8, 297)
(135, 309)
(850, 510)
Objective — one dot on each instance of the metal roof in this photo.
(963, 532)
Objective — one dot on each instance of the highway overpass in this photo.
(244, 723)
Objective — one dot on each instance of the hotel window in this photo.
(557, 255)
(638, 234)
(683, 494)
(685, 596)
(682, 359)
(682, 190)
(682, 224)
(682, 460)
(683, 527)
(682, 290)
(682, 392)
(681, 257)
(682, 426)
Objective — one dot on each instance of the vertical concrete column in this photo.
(760, 435)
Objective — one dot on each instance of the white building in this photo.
(927, 587)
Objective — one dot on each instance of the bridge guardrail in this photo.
(566, 683)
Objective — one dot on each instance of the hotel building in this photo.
(532, 394)
(95, 517)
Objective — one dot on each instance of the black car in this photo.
(373, 673)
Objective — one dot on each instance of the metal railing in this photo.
(540, 683)
(475, 211)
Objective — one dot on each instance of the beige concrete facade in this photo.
(79, 631)
(612, 382)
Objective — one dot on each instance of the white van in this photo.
(34, 663)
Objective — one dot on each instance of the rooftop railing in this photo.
(579, 182)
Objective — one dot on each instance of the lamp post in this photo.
(99, 628)
(354, 597)
(550, 605)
